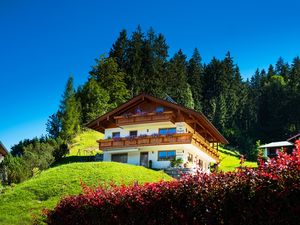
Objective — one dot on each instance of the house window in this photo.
(272, 152)
(122, 158)
(164, 131)
(190, 158)
(166, 155)
(116, 134)
(159, 109)
(133, 133)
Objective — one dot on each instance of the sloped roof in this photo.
(277, 144)
(295, 136)
(3, 150)
(96, 124)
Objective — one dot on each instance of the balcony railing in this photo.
(152, 140)
(203, 145)
(144, 117)
(145, 141)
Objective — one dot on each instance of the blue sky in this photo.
(43, 42)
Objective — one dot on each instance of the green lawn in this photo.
(85, 144)
(19, 204)
(231, 159)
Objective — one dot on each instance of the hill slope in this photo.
(230, 160)
(85, 143)
(19, 204)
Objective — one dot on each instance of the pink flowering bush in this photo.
(267, 195)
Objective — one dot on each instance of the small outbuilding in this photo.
(271, 149)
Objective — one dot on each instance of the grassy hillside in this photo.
(231, 159)
(85, 143)
(19, 204)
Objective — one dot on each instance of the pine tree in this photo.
(294, 77)
(154, 61)
(194, 78)
(220, 113)
(111, 78)
(271, 72)
(70, 112)
(134, 70)
(282, 68)
(94, 100)
(178, 88)
(293, 96)
(119, 50)
(53, 126)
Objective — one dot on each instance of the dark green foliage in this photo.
(110, 78)
(60, 151)
(38, 155)
(134, 69)
(177, 86)
(14, 169)
(119, 49)
(195, 78)
(18, 149)
(154, 63)
(53, 126)
(30, 156)
(70, 112)
(94, 100)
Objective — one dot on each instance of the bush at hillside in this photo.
(267, 195)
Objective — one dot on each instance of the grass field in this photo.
(18, 205)
(231, 159)
(85, 144)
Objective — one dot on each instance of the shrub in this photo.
(176, 162)
(14, 169)
(267, 195)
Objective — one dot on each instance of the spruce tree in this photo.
(177, 85)
(53, 125)
(134, 69)
(194, 78)
(119, 50)
(282, 68)
(94, 100)
(154, 61)
(70, 112)
(111, 78)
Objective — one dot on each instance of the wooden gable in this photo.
(151, 106)
(3, 150)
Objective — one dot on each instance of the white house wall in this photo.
(145, 129)
(182, 151)
(1, 158)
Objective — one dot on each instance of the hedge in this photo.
(267, 195)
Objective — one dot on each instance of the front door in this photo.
(144, 159)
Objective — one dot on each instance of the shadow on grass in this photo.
(73, 159)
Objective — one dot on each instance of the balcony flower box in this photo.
(105, 144)
(130, 141)
(143, 139)
(117, 143)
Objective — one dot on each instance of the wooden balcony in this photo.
(204, 146)
(146, 141)
(144, 118)
(185, 138)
